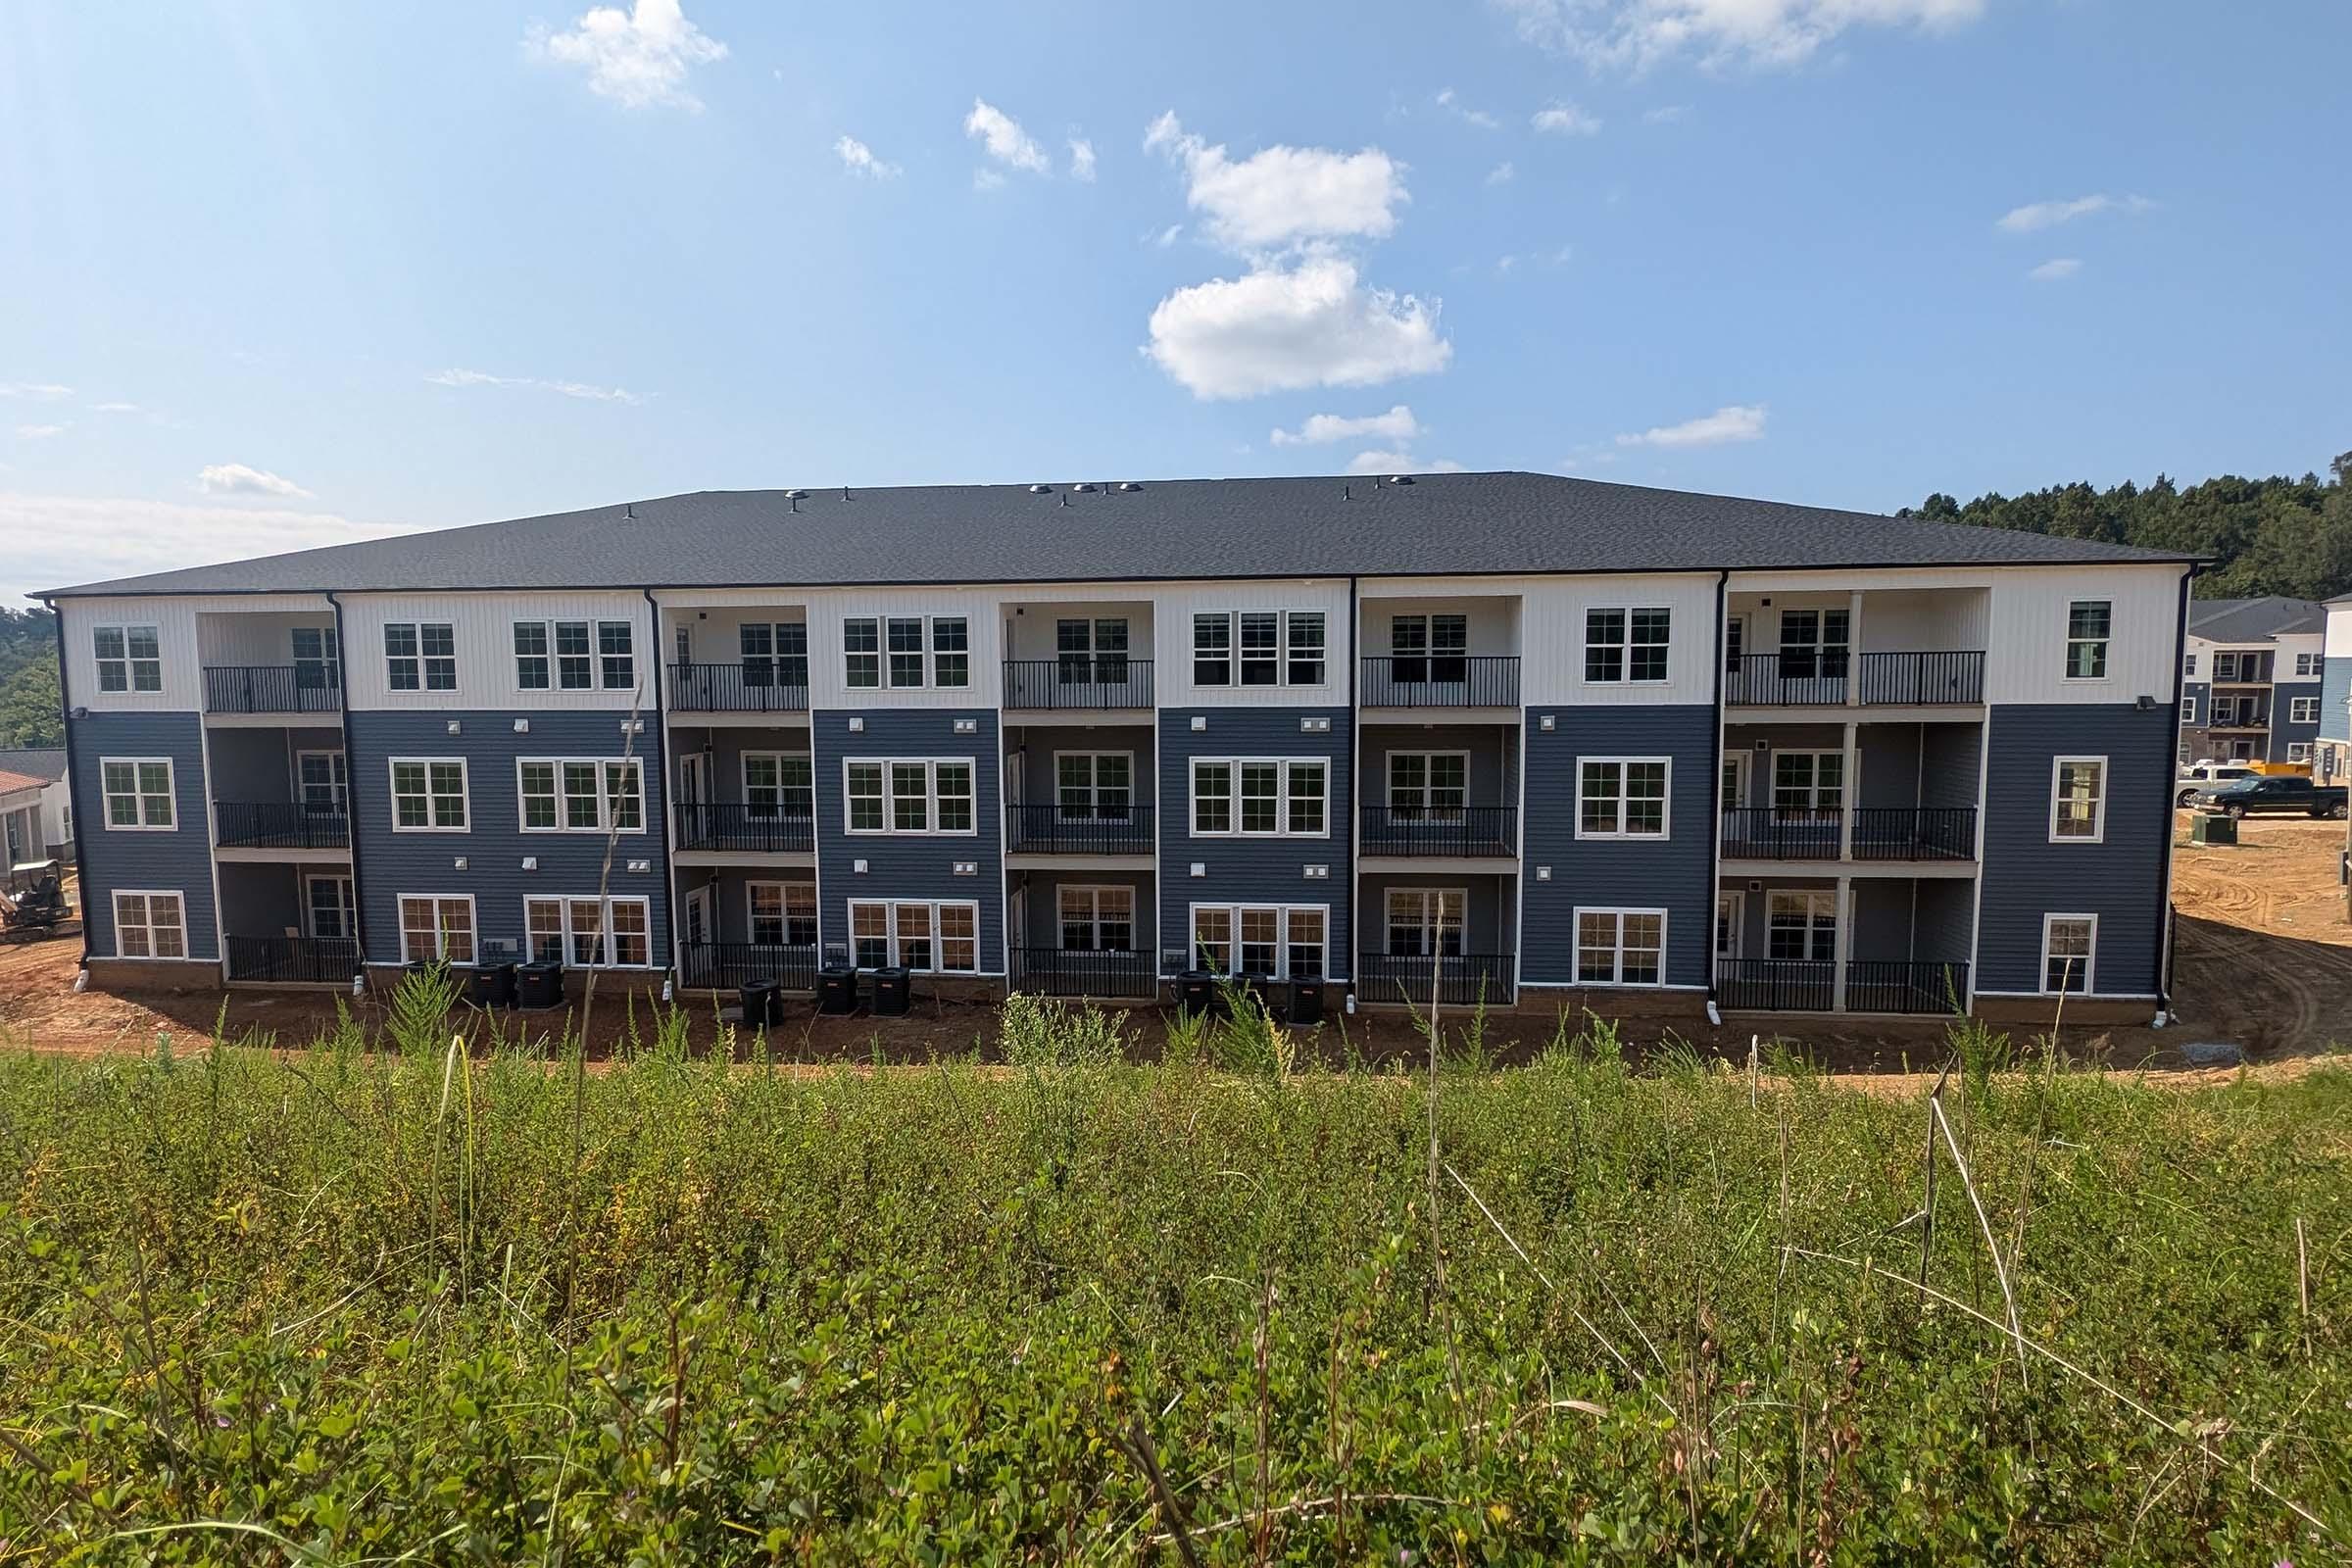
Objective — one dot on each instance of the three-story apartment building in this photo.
(2251, 680)
(1508, 736)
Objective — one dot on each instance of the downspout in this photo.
(2163, 867)
(1355, 760)
(661, 765)
(1723, 588)
(351, 785)
(64, 710)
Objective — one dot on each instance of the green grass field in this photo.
(373, 1302)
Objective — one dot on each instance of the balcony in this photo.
(1880, 833)
(271, 688)
(1084, 972)
(725, 965)
(1810, 985)
(293, 960)
(1442, 680)
(748, 829)
(1078, 682)
(1458, 832)
(1102, 830)
(278, 825)
(747, 686)
(1813, 679)
(1456, 979)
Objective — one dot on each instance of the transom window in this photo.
(2087, 622)
(1627, 644)
(778, 784)
(138, 793)
(421, 656)
(2077, 800)
(581, 795)
(1801, 925)
(1429, 786)
(927, 938)
(1621, 797)
(428, 795)
(1094, 786)
(1096, 919)
(1620, 947)
(1426, 922)
(922, 651)
(774, 654)
(1430, 647)
(590, 933)
(436, 927)
(1266, 940)
(913, 796)
(317, 659)
(1260, 797)
(1088, 652)
(1274, 648)
(130, 658)
(2069, 945)
(1805, 782)
(783, 914)
(150, 925)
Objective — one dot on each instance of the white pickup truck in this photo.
(2205, 776)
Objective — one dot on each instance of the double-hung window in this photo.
(1815, 644)
(778, 784)
(1800, 925)
(1622, 796)
(915, 651)
(1095, 919)
(317, 659)
(1091, 651)
(1261, 647)
(861, 653)
(616, 655)
(2189, 665)
(1427, 786)
(1260, 634)
(580, 793)
(130, 658)
(2303, 710)
(325, 785)
(568, 655)
(912, 796)
(1627, 644)
(774, 654)
(1620, 947)
(150, 925)
(2307, 665)
(1261, 797)
(590, 933)
(2088, 625)
(1807, 784)
(1269, 939)
(428, 795)
(1429, 648)
(1094, 786)
(421, 656)
(1425, 922)
(532, 668)
(332, 911)
(2188, 710)
(1213, 650)
(1303, 647)
(138, 793)
(2077, 800)
(436, 927)
(2068, 944)
(942, 938)
(2298, 751)
(783, 914)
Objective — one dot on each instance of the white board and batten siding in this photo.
(1490, 606)
(2025, 659)
(189, 635)
(1174, 604)
(828, 670)
(1553, 618)
(483, 627)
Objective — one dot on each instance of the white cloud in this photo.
(1398, 426)
(986, 180)
(2049, 215)
(1283, 195)
(1007, 142)
(2055, 269)
(1383, 463)
(1738, 421)
(35, 391)
(1280, 328)
(236, 479)
(1639, 34)
(859, 159)
(1167, 236)
(42, 432)
(1565, 119)
(1471, 117)
(114, 408)
(569, 389)
(637, 58)
(1501, 173)
(1081, 160)
(72, 539)
(1664, 113)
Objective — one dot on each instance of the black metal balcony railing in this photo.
(1872, 985)
(1078, 681)
(269, 689)
(1900, 985)
(725, 965)
(1777, 985)
(278, 825)
(1461, 979)
(744, 687)
(751, 829)
(1781, 833)
(293, 960)
(1057, 830)
(1461, 830)
(1881, 833)
(1442, 680)
(1809, 678)
(1081, 972)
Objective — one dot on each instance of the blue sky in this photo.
(284, 273)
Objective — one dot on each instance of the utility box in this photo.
(2211, 827)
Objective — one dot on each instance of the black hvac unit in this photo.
(837, 989)
(1197, 990)
(762, 1004)
(539, 984)
(1306, 1001)
(491, 985)
(892, 993)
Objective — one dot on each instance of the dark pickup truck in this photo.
(2282, 792)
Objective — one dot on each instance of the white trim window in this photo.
(1425, 922)
(421, 656)
(130, 658)
(436, 927)
(926, 938)
(1627, 646)
(140, 794)
(328, 908)
(1213, 650)
(1261, 797)
(428, 795)
(861, 653)
(1623, 797)
(2189, 665)
(1807, 783)
(922, 652)
(580, 793)
(2302, 710)
(321, 782)
(1094, 919)
(1429, 786)
(2298, 751)
(782, 915)
(908, 795)
(2307, 665)
(780, 785)
(317, 659)
(1429, 648)
(1261, 647)
(1091, 651)
(2088, 624)
(150, 925)
(615, 933)
(2070, 944)
(616, 655)
(2077, 800)
(1620, 947)
(772, 653)
(1304, 644)
(1270, 940)
(2188, 710)
(1800, 925)
(1094, 786)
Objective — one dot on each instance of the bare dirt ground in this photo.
(2263, 960)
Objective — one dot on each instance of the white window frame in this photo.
(423, 659)
(1814, 901)
(926, 654)
(1621, 832)
(2298, 751)
(1813, 787)
(890, 799)
(849, 657)
(330, 660)
(2188, 710)
(392, 767)
(1623, 645)
(1092, 917)
(338, 775)
(771, 660)
(890, 909)
(2105, 644)
(1093, 787)
(2307, 665)
(783, 759)
(1617, 914)
(607, 661)
(1233, 913)
(784, 888)
(139, 795)
(1233, 781)
(608, 943)
(2302, 710)
(2090, 961)
(1425, 811)
(2098, 802)
(149, 925)
(473, 926)
(1731, 903)
(1286, 648)
(1429, 918)
(2189, 665)
(129, 662)
(606, 768)
(346, 903)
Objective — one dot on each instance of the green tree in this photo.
(30, 713)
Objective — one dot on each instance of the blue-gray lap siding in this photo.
(2285, 731)
(1675, 875)
(2336, 688)
(913, 866)
(1253, 870)
(390, 865)
(2120, 879)
(177, 861)
(2198, 696)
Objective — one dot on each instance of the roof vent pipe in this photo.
(1129, 486)
(1041, 489)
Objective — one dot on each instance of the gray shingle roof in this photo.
(2254, 621)
(1456, 523)
(47, 763)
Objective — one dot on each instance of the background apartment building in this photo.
(2252, 680)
